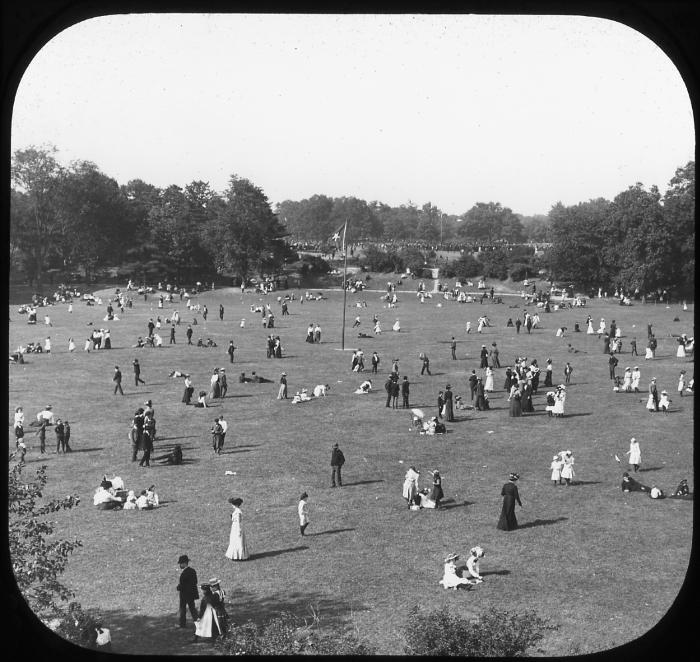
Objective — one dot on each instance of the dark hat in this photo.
(448, 386)
(335, 445)
(235, 502)
(184, 559)
(303, 496)
(513, 476)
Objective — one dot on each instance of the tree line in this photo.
(66, 218)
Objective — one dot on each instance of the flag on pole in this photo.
(338, 237)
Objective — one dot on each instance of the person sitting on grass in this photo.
(475, 553)
(130, 503)
(173, 457)
(656, 493)
(152, 497)
(142, 502)
(302, 396)
(450, 578)
(104, 500)
(629, 484)
(201, 400)
(365, 387)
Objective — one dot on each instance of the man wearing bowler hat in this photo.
(188, 590)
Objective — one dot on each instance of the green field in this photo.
(582, 553)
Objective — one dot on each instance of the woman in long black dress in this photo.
(507, 520)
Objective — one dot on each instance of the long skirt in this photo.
(680, 354)
(237, 548)
(516, 407)
(507, 521)
(208, 625)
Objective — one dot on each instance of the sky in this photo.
(453, 110)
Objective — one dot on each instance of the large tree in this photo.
(639, 244)
(579, 234)
(244, 236)
(92, 218)
(362, 222)
(679, 213)
(489, 221)
(36, 176)
(308, 220)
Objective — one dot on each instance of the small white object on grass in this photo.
(400, 461)
(229, 473)
(489, 431)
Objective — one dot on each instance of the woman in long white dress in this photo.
(590, 330)
(601, 327)
(397, 326)
(559, 401)
(207, 625)
(237, 548)
(450, 578)
(410, 485)
(636, 377)
(488, 384)
(627, 380)
(680, 353)
(635, 454)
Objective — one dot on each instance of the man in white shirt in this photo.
(46, 415)
(224, 427)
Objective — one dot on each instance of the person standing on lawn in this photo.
(172, 335)
(223, 383)
(375, 362)
(117, 379)
(231, 349)
(405, 391)
(426, 363)
(484, 357)
(137, 373)
(187, 588)
(337, 462)
(472, 384)
(449, 411)
(303, 510)
(66, 437)
(282, 393)
(221, 312)
(42, 436)
(188, 333)
(635, 454)
(507, 520)
(453, 347)
(60, 436)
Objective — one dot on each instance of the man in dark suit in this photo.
(117, 379)
(337, 461)
(484, 357)
(172, 335)
(231, 349)
(472, 384)
(405, 391)
(137, 373)
(188, 590)
(453, 347)
(189, 334)
(223, 383)
(653, 391)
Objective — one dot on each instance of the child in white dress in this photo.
(556, 466)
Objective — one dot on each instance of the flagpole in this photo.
(345, 289)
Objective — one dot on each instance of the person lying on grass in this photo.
(173, 457)
(365, 387)
(629, 484)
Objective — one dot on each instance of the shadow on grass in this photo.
(235, 450)
(641, 469)
(586, 482)
(276, 552)
(495, 572)
(451, 503)
(325, 533)
(575, 415)
(187, 436)
(140, 634)
(541, 522)
(84, 450)
(363, 482)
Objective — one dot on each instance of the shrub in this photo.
(467, 266)
(288, 635)
(495, 633)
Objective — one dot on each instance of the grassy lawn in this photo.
(579, 557)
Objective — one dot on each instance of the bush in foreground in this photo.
(495, 633)
(288, 635)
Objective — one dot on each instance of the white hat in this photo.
(451, 557)
(477, 551)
